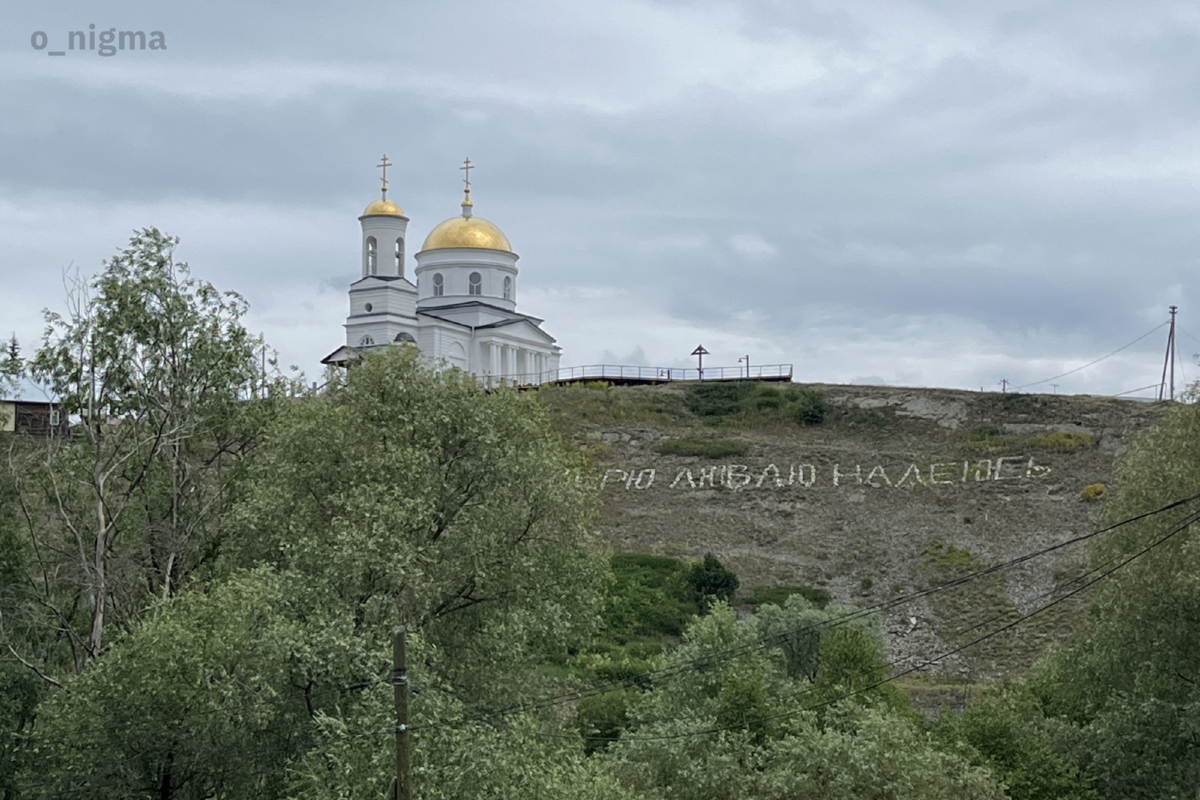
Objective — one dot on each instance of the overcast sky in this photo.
(929, 194)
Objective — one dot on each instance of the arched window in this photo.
(366, 341)
(476, 284)
(507, 288)
(400, 257)
(371, 255)
(439, 284)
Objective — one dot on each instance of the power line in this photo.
(1097, 361)
(1192, 519)
(1139, 389)
(773, 641)
(765, 643)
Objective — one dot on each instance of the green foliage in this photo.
(735, 728)
(1131, 687)
(719, 399)
(601, 717)
(12, 367)
(1007, 733)
(410, 494)
(711, 581)
(755, 402)
(795, 628)
(947, 556)
(195, 704)
(650, 597)
(809, 407)
(778, 595)
(159, 372)
(850, 657)
(600, 403)
(1063, 441)
(20, 693)
(709, 448)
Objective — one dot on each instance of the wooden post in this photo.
(402, 785)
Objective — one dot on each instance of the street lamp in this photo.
(746, 358)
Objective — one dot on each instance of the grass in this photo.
(947, 556)
(989, 439)
(778, 595)
(981, 606)
(868, 421)
(575, 405)
(710, 448)
(753, 403)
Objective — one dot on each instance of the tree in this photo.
(1007, 732)
(1130, 687)
(711, 580)
(196, 703)
(155, 370)
(409, 494)
(727, 723)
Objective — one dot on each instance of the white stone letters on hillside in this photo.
(739, 477)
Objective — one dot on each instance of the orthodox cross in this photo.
(384, 164)
(466, 168)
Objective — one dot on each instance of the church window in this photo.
(508, 288)
(366, 341)
(439, 285)
(476, 281)
(368, 307)
(400, 257)
(371, 253)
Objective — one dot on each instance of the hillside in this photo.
(894, 490)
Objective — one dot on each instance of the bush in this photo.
(809, 407)
(1063, 441)
(711, 580)
(710, 448)
(650, 596)
(754, 401)
(601, 718)
(718, 399)
(1093, 492)
(778, 595)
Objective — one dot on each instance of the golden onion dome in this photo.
(466, 231)
(383, 208)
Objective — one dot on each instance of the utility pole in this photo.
(402, 785)
(1169, 360)
(1003, 385)
(1055, 387)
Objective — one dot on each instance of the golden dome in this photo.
(383, 208)
(466, 231)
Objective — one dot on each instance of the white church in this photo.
(460, 306)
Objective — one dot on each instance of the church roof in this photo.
(465, 231)
(383, 208)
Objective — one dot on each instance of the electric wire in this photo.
(775, 640)
(717, 657)
(1097, 361)
(1191, 520)
(1139, 389)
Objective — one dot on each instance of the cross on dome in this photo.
(466, 168)
(384, 164)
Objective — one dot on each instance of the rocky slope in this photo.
(896, 491)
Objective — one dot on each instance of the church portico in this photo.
(461, 307)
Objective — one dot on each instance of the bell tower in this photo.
(383, 301)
